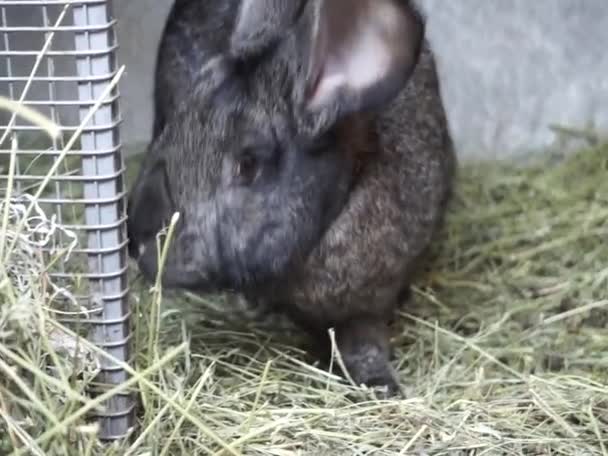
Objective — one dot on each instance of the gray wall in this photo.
(509, 69)
(140, 24)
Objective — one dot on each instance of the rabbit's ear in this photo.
(362, 52)
(260, 24)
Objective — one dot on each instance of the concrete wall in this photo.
(509, 69)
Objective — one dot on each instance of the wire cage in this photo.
(86, 193)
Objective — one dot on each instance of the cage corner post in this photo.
(105, 211)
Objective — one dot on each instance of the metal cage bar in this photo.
(88, 195)
(113, 331)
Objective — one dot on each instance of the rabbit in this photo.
(311, 166)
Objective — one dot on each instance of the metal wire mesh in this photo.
(87, 192)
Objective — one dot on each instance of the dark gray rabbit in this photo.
(306, 148)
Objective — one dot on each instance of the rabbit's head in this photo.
(260, 158)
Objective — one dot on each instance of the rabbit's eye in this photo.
(246, 168)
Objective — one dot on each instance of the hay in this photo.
(503, 350)
(43, 369)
